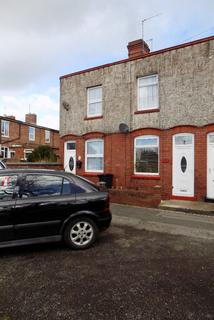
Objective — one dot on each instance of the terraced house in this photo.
(19, 138)
(147, 119)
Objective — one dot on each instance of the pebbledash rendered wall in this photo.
(186, 101)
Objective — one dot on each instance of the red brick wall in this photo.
(119, 159)
(35, 165)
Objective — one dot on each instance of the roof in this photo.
(177, 47)
(40, 171)
(44, 171)
(26, 123)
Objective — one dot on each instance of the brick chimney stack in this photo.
(10, 117)
(138, 49)
(31, 118)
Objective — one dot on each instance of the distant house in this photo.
(18, 139)
(147, 119)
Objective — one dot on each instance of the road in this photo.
(132, 272)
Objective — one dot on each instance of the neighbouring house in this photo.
(18, 139)
(147, 119)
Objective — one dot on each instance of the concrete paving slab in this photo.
(206, 208)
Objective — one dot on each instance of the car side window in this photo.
(71, 188)
(41, 186)
(7, 185)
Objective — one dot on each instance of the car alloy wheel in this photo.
(81, 233)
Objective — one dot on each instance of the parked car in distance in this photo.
(2, 165)
(44, 206)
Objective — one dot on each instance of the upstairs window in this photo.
(148, 93)
(47, 136)
(5, 128)
(31, 133)
(94, 155)
(147, 155)
(94, 103)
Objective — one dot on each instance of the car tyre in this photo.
(80, 233)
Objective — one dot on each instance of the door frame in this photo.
(183, 197)
(65, 149)
(207, 163)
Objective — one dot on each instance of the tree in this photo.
(42, 153)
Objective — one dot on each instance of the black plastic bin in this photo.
(107, 178)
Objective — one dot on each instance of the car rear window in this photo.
(86, 185)
(70, 188)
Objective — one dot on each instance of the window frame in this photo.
(14, 154)
(158, 145)
(94, 155)
(142, 108)
(49, 136)
(27, 151)
(89, 115)
(3, 123)
(29, 133)
(5, 150)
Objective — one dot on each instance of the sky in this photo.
(41, 40)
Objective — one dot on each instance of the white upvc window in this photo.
(31, 133)
(12, 154)
(47, 136)
(94, 102)
(27, 152)
(148, 96)
(5, 128)
(146, 155)
(5, 153)
(94, 155)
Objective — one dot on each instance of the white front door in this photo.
(70, 156)
(210, 165)
(183, 165)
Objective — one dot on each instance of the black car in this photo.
(45, 206)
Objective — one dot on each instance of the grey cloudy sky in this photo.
(43, 39)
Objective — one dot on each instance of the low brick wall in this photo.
(136, 197)
(35, 165)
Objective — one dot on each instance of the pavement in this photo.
(139, 269)
(166, 221)
(200, 207)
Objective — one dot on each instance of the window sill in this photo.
(93, 118)
(148, 177)
(147, 111)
